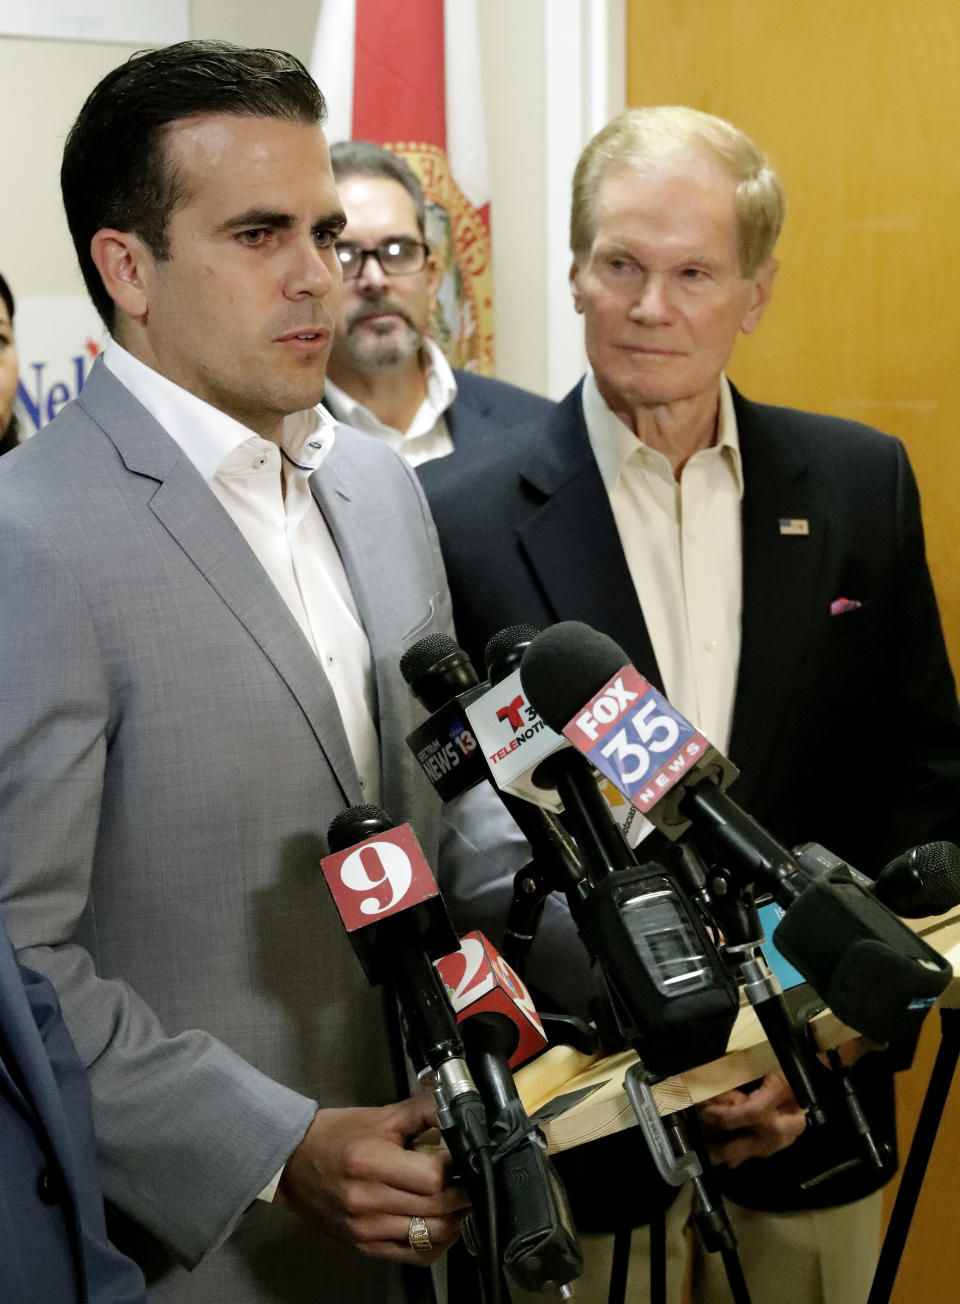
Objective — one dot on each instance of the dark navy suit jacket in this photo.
(53, 1242)
(484, 407)
(845, 727)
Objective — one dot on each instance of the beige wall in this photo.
(857, 104)
(43, 84)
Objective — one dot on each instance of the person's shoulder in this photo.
(818, 427)
(499, 399)
(836, 444)
(490, 464)
(485, 463)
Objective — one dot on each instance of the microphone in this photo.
(501, 1030)
(397, 923)
(513, 737)
(442, 678)
(672, 998)
(923, 881)
(479, 981)
(872, 970)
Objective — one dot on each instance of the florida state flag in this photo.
(406, 74)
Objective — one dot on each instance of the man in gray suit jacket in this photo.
(206, 589)
(387, 376)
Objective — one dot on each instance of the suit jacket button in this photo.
(48, 1186)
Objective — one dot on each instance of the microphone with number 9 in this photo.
(398, 924)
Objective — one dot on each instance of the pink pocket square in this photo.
(840, 605)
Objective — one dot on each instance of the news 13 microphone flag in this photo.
(406, 74)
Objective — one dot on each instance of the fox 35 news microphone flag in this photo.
(406, 74)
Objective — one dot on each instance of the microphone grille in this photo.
(356, 824)
(425, 653)
(938, 866)
(505, 648)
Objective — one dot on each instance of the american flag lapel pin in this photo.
(797, 525)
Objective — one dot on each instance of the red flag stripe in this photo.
(400, 94)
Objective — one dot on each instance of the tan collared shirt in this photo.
(682, 543)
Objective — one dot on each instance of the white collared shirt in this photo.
(683, 549)
(427, 436)
(287, 532)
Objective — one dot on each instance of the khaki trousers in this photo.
(824, 1256)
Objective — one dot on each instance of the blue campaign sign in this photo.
(636, 739)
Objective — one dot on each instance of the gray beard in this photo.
(371, 352)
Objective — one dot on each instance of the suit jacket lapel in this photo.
(571, 539)
(352, 505)
(779, 589)
(185, 506)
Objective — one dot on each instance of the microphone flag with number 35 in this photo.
(635, 738)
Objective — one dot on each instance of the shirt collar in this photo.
(613, 442)
(441, 392)
(205, 434)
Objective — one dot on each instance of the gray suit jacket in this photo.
(170, 759)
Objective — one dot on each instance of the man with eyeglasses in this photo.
(386, 376)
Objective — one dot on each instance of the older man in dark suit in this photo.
(764, 566)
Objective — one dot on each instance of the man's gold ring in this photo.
(418, 1236)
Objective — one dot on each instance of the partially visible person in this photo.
(386, 376)
(9, 372)
(53, 1242)
(764, 567)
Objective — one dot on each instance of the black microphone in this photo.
(923, 881)
(442, 678)
(396, 920)
(500, 1031)
(537, 1236)
(672, 998)
(867, 965)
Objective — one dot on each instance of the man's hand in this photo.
(741, 1125)
(353, 1177)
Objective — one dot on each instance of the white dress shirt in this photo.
(427, 436)
(682, 543)
(286, 531)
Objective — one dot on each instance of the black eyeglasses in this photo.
(398, 256)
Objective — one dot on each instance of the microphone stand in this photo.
(921, 1147)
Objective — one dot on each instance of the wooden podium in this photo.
(578, 1098)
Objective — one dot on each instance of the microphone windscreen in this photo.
(565, 666)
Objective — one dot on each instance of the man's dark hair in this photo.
(10, 437)
(115, 172)
(6, 294)
(362, 158)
